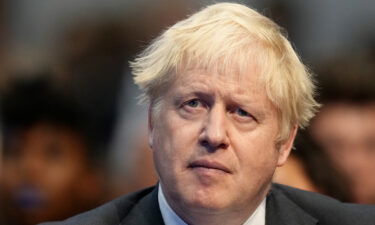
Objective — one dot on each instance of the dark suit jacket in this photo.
(285, 206)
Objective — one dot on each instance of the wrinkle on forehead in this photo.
(238, 63)
(232, 77)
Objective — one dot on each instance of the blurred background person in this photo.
(345, 126)
(309, 168)
(51, 166)
(336, 154)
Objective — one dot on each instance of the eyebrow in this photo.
(198, 89)
(180, 96)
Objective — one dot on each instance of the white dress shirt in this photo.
(171, 218)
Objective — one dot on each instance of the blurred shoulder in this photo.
(110, 213)
(326, 209)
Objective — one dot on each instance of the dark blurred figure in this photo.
(92, 57)
(345, 127)
(94, 53)
(4, 43)
(51, 169)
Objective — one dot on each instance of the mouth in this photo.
(30, 198)
(209, 165)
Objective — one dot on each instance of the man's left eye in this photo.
(242, 112)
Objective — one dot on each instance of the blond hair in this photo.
(224, 34)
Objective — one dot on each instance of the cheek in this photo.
(254, 143)
(62, 179)
(163, 147)
(173, 132)
(174, 140)
(10, 175)
(257, 154)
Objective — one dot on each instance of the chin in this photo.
(206, 199)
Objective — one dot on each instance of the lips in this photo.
(206, 164)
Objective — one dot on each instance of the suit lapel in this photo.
(280, 210)
(146, 212)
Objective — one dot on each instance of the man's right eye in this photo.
(193, 103)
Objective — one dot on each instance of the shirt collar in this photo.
(259, 215)
(171, 218)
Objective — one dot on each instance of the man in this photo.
(227, 94)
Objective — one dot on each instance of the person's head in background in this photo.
(50, 169)
(345, 126)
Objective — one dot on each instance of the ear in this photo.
(150, 126)
(286, 147)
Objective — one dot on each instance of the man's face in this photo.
(214, 141)
(347, 133)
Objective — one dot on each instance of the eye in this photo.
(242, 112)
(193, 106)
(242, 115)
(193, 103)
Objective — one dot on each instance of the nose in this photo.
(214, 134)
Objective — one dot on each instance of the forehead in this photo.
(345, 120)
(351, 112)
(231, 80)
(236, 67)
(239, 60)
(43, 135)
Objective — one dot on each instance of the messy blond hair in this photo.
(229, 35)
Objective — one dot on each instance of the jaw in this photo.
(206, 206)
